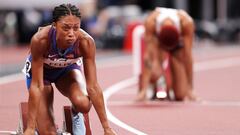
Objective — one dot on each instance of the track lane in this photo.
(207, 117)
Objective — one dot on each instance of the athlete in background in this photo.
(168, 31)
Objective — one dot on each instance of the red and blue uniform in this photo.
(56, 61)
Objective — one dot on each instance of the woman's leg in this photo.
(179, 79)
(73, 86)
(45, 119)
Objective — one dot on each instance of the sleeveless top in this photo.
(170, 14)
(167, 13)
(55, 58)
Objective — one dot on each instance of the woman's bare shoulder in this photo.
(84, 37)
(150, 22)
(86, 43)
(185, 16)
(42, 32)
(40, 38)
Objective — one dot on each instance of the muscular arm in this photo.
(36, 87)
(147, 64)
(149, 42)
(93, 88)
(188, 35)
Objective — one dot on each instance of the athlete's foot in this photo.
(78, 123)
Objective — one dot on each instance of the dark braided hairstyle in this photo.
(65, 9)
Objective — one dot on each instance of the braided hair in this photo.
(65, 9)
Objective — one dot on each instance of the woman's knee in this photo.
(81, 104)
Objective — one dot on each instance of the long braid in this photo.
(65, 9)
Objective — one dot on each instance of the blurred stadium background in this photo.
(110, 22)
(107, 20)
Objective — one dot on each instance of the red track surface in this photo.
(217, 114)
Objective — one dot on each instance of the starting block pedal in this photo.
(67, 120)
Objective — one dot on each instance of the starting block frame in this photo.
(67, 121)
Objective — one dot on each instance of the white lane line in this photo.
(8, 132)
(221, 103)
(11, 78)
(217, 64)
(200, 66)
(110, 91)
(172, 103)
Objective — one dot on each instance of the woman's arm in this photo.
(188, 36)
(150, 43)
(38, 46)
(93, 88)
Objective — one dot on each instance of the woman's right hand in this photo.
(29, 131)
(109, 131)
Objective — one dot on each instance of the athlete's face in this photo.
(67, 29)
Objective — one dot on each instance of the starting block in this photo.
(67, 121)
(23, 111)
